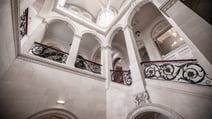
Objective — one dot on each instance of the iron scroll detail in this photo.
(23, 23)
(48, 52)
(87, 65)
(122, 77)
(188, 72)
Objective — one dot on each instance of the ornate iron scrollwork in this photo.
(189, 72)
(23, 23)
(48, 52)
(123, 77)
(87, 65)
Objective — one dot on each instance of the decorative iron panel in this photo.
(188, 72)
(122, 77)
(48, 52)
(23, 23)
(87, 65)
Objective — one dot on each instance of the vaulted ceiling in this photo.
(95, 6)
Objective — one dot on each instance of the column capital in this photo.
(44, 20)
(126, 26)
(77, 36)
(106, 47)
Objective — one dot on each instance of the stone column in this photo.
(73, 50)
(106, 61)
(134, 59)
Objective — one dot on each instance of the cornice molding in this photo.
(167, 5)
(106, 47)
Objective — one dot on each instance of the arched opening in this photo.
(89, 54)
(119, 50)
(53, 114)
(120, 72)
(60, 33)
(55, 43)
(151, 115)
(153, 111)
(156, 35)
(117, 64)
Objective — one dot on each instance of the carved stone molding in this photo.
(160, 28)
(141, 98)
(168, 4)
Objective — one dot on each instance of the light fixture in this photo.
(174, 34)
(60, 102)
(174, 43)
(181, 38)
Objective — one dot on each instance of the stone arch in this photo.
(97, 36)
(118, 49)
(49, 20)
(62, 113)
(112, 33)
(89, 44)
(60, 33)
(144, 108)
(134, 8)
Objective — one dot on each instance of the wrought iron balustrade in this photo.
(87, 65)
(48, 52)
(187, 71)
(23, 26)
(122, 77)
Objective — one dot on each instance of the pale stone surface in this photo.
(7, 50)
(28, 88)
(190, 101)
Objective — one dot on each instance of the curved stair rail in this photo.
(186, 71)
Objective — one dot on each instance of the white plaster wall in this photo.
(7, 50)
(29, 87)
(190, 101)
(119, 101)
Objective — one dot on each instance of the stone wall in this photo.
(28, 88)
(7, 50)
